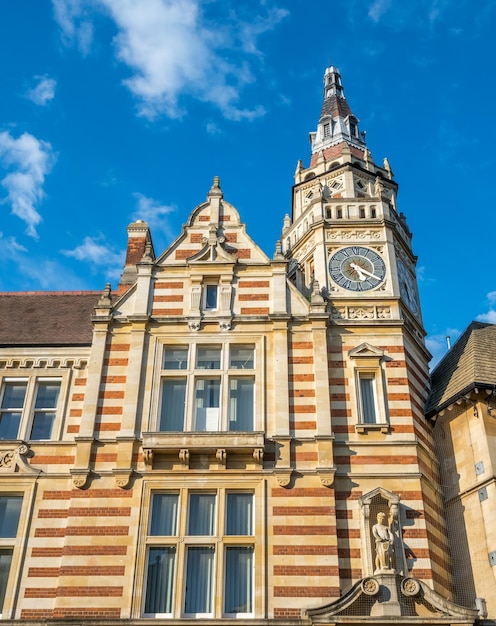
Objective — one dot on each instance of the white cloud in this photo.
(378, 8)
(153, 213)
(76, 29)
(490, 315)
(44, 91)
(100, 256)
(173, 52)
(29, 160)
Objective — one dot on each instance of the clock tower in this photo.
(345, 231)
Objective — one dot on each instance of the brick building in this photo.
(231, 436)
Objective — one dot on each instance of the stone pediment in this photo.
(213, 250)
(392, 597)
(366, 350)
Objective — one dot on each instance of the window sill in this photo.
(364, 428)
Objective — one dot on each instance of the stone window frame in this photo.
(368, 362)
(220, 540)
(25, 488)
(224, 373)
(32, 378)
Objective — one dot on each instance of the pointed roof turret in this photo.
(337, 124)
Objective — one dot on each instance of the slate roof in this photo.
(47, 318)
(335, 106)
(470, 363)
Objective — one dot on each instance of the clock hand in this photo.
(362, 271)
(358, 270)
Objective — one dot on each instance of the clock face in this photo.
(357, 268)
(407, 287)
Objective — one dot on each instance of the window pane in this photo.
(47, 395)
(242, 357)
(172, 410)
(10, 510)
(208, 358)
(42, 425)
(241, 404)
(199, 580)
(159, 580)
(239, 514)
(5, 561)
(13, 396)
(9, 425)
(164, 514)
(211, 294)
(368, 400)
(201, 518)
(175, 358)
(238, 585)
(207, 394)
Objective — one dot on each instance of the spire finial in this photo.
(215, 189)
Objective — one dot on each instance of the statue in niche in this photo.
(384, 540)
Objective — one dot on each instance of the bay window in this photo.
(207, 388)
(200, 546)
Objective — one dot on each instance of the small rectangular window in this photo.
(208, 357)
(339, 213)
(242, 357)
(238, 584)
(176, 358)
(160, 580)
(173, 405)
(372, 212)
(199, 580)
(368, 399)
(10, 512)
(47, 396)
(163, 521)
(362, 212)
(207, 404)
(14, 394)
(239, 513)
(327, 130)
(201, 517)
(211, 296)
(241, 395)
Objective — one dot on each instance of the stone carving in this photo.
(362, 313)
(258, 454)
(410, 587)
(357, 234)
(383, 312)
(370, 586)
(384, 541)
(221, 456)
(14, 460)
(194, 325)
(148, 456)
(184, 456)
(225, 325)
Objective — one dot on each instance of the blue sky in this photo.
(114, 110)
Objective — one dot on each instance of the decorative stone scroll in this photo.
(13, 460)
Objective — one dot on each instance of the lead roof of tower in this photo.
(335, 106)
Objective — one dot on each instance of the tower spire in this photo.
(337, 124)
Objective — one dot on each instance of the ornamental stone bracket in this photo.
(122, 477)
(148, 456)
(326, 475)
(15, 460)
(395, 597)
(80, 477)
(283, 476)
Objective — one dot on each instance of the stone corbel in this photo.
(221, 456)
(184, 456)
(122, 477)
(80, 477)
(258, 454)
(283, 476)
(326, 475)
(148, 456)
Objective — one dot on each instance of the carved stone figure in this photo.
(383, 543)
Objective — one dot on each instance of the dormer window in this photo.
(327, 130)
(211, 297)
(353, 129)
